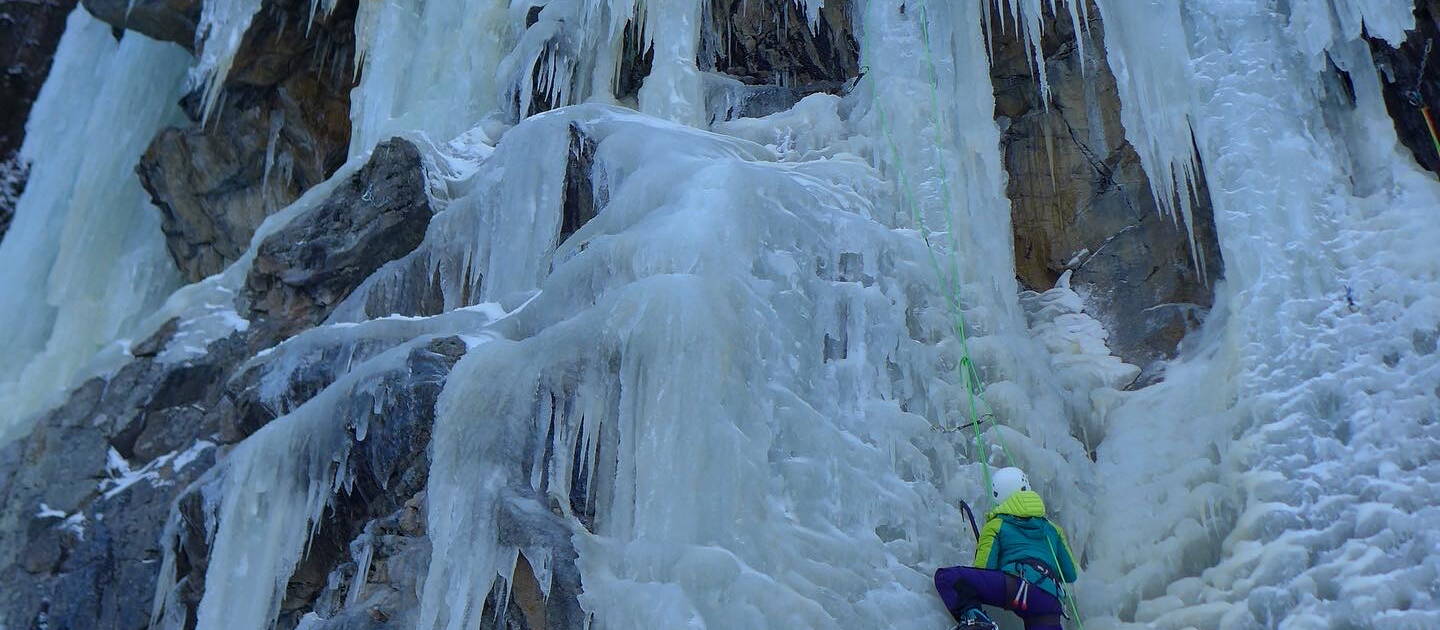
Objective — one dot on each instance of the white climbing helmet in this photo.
(1008, 481)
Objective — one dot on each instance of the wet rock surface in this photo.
(304, 269)
(280, 125)
(1081, 200)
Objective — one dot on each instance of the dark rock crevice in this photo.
(579, 205)
(1410, 80)
(635, 64)
(31, 30)
(770, 42)
(762, 57)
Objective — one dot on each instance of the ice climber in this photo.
(1021, 560)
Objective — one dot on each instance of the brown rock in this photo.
(280, 126)
(155, 343)
(1081, 200)
(525, 591)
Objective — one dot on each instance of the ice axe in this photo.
(965, 507)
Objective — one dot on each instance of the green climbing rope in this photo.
(951, 281)
(949, 277)
(1067, 593)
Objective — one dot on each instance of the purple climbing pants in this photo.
(963, 588)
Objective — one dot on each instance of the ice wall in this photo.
(1292, 491)
(701, 484)
(752, 346)
(84, 259)
(1192, 524)
(425, 66)
(756, 348)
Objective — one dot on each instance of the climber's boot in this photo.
(976, 619)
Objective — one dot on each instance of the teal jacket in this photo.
(1017, 535)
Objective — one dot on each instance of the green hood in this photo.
(1024, 504)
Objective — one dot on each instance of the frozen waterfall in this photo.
(84, 260)
(735, 387)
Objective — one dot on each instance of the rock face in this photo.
(771, 43)
(759, 56)
(31, 30)
(1082, 202)
(764, 57)
(382, 508)
(165, 20)
(1411, 79)
(84, 497)
(306, 268)
(281, 125)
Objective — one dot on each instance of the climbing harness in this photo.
(1021, 601)
(1044, 571)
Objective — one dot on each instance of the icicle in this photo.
(218, 37)
(1080, 24)
(366, 553)
(673, 89)
(270, 493)
(1146, 46)
(427, 67)
(277, 123)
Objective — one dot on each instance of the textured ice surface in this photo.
(680, 285)
(1293, 487)
(426, 66)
